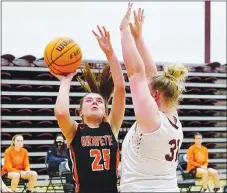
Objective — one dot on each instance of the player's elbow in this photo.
(60, 114)
(137, 70)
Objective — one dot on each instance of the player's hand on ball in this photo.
(126, 19)
(104, 40)
(68, 77)
(137, 27)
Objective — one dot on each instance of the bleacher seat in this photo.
(209, 145)
(46, 88)
(45, 123)
(210, 101)
(5, 99)
(27, 135)
(24, 100)
(210, 79)
(194, 124)
(193, 90)
(209, 113)
(24, 111)
(6, 136)
(194, 101)
(45, 111)
(45, 76)
(210, 91)
(209, 123)
(194, 79)
(24, 61)
(199, 69)
(5, 123)
(50, 135)
(6, 111)
(181, 112)
(210, 134)
(194, 113)
(5, 75)
(213, 66)
(24, 87)
(45, 100)
(6, 87)
(39, 62)
(24, 123)
(6, 60)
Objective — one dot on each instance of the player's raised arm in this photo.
(137, 33)
(144, 104)
(61, 110)
(116, 115)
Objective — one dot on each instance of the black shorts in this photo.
(193, 172)
(5, 176)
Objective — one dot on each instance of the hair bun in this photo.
(176, 72)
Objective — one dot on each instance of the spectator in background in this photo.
(57, 158)
(3, 187)
(16, 164)
(198, 164)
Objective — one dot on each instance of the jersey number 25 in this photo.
(98, 156)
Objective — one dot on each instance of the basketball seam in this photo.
(50, 63)
(62, 54)
(51, 66)
(69, 63)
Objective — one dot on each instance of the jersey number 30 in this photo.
(98, 156)
(173, 150)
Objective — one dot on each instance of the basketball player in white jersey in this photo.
(150, 148)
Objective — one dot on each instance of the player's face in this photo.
(59, 140)
(198, 139)
(19, 142)
(93, 105)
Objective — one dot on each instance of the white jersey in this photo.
(149, 161)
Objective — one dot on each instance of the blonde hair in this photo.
(14, 138)
(171, 82)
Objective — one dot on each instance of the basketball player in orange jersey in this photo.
(16, 165)
(93, 143)
(198, 164)
(150, 148)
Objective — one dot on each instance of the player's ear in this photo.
(78, 112)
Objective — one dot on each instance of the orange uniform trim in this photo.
(75, 173)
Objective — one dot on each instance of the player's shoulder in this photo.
(9, 149)
(204, 147)
(192, 147)
(24, 150)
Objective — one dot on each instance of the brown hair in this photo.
(171, 82)
(14, 138)
(196, 134)
(101, 83)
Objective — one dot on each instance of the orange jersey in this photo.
(197, 157)
(15, 161)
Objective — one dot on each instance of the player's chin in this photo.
(96, 113)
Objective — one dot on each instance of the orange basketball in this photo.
(62, 55)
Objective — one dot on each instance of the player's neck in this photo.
(17, 149)
(167, 109)
(198, 145)
(92, 123)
